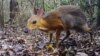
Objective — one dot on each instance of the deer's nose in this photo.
(26, 30)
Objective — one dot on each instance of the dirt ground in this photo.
(14, 42)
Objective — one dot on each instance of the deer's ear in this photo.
(40, 12)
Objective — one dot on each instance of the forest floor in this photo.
(14, 42)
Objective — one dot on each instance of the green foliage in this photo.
(83, 4)
(65, 2)
(48, 7)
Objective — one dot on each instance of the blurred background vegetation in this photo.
(16, 12)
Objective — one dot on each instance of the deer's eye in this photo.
(59, 17)
(34, 22)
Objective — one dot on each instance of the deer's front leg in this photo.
(57, 37)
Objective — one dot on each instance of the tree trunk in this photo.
(43, 7)
(98, 14)
(13, 9)
(1, 15)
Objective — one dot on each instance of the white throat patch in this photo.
(42, 28)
